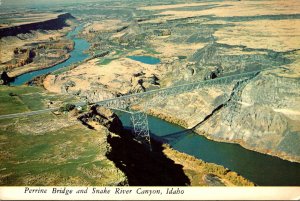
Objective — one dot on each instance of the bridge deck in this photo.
(123, 102)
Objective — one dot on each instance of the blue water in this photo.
(76, 55)
(259, 168)
(145, 59)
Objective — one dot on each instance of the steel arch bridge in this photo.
(139, 118)
(146, 99)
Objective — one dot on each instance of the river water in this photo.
(259, 168)
(76, 55)
(262, 169)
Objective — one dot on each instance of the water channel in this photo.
(76, 55)
(259, 168)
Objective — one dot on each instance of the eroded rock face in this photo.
(263, 116)
(51, 24)
(212, 180)
(102, 116)
(119, 77)
(266, 118)
(4, 78)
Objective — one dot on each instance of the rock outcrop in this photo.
(262, 115)
(4, 78)
(51, 24)
(102, 116)
(265, 119)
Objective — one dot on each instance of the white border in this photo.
(133, 193)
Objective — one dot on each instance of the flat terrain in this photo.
(17, 19)
(49, 149)
(24, 99)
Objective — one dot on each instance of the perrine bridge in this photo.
(147, 99)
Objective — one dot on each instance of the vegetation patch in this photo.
(23, 99)
(105, 61)
(71, 155)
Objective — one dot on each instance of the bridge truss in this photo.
(141, 128)
(147, 99)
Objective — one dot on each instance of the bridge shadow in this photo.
(142, 167)
(172, 137)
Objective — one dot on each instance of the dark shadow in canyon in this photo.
(141, 166)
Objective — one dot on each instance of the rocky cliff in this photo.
(265, 118)
(261, 113)
(51, 24)
(163, 165)
(102, 116)
(4, 78)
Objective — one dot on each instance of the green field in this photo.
(47, 149)
(105, 61)
(35, 152)
(23, 99)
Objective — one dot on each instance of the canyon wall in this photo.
(51, 24)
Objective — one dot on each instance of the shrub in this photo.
(12, 94)
(66, 108)
(182, 57)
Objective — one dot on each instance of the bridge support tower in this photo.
(141, 128)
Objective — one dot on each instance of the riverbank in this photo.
(162, 165)
(175, 119)
(264, 118)
(19, 72)
(202, 173)
(32, 46)
(79, 46)
(251, 165)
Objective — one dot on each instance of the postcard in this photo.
(149, 100)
